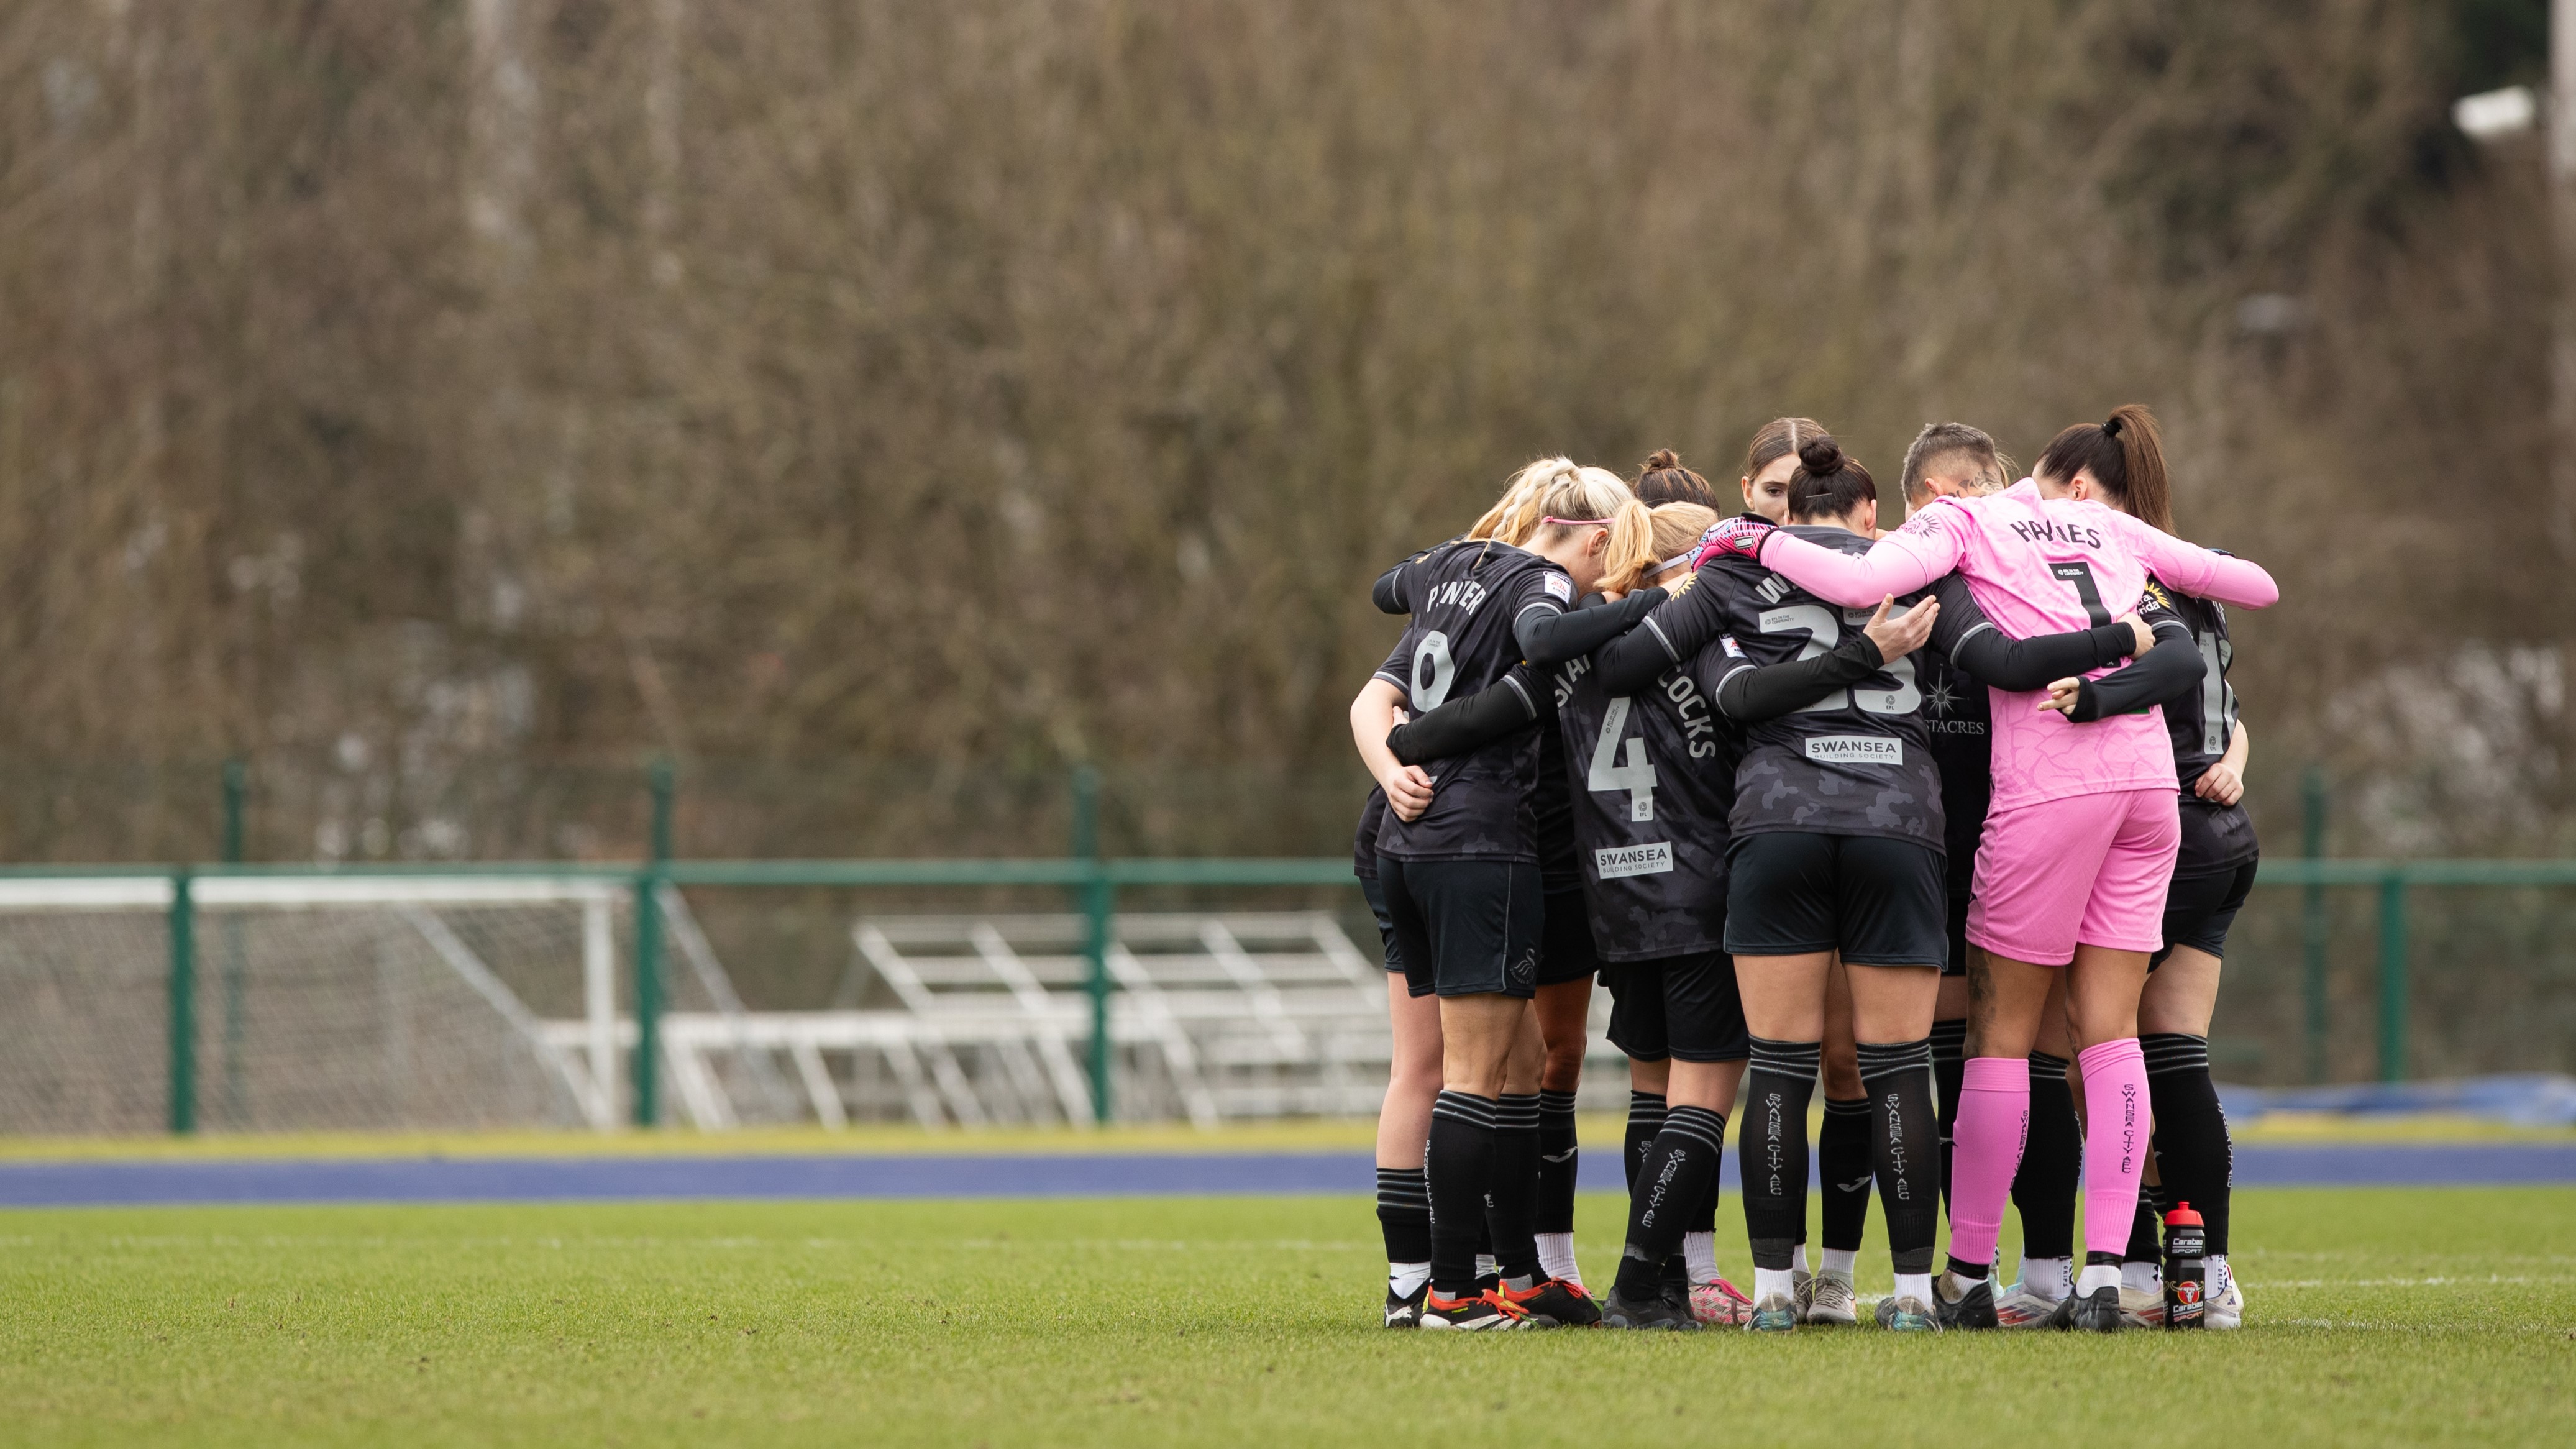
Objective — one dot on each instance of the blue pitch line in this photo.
(620, 1179)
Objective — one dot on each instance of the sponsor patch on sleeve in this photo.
(1560, 587)
(1733, 649)
(1618, 861)
(1856, 749)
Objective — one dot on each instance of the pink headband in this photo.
(1578, 522)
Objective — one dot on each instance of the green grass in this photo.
(2384, 1315)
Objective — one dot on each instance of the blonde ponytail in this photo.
(1643, 540)
(1631, 548)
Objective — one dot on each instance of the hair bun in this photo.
(1820, 456)
(1662, 459)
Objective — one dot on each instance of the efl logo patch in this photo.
(1562, 587)
(1626, 860)
(1856, 749)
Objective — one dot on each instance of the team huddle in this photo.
(1948, 816)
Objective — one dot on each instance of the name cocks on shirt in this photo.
(1699, 724)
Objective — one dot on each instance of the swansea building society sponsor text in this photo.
(1624, 860)
(1857, 749)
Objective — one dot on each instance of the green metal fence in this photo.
(1096, 883)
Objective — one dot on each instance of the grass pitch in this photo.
(2377, 1316)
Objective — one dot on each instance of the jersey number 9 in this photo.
(1433, 672)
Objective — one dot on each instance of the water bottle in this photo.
(2186, 1278)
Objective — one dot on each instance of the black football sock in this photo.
(1404, 1214)
(1843, 1159)
(1667, 1196)
(1459, 1167)
(2043, 1190)
(1645, 1120)
(2192, 1148)
(1777, 1088)
(1556, 1162)
(1905, 1136)
(1704, 1220)
(1949, 1068)
(1512, 1197)
(2142, 1231)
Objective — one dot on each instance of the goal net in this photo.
(361, 1003)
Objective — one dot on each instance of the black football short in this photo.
(1465, 927)
(2199, 910)
(1879, 901)
(1683, 1007)
(1376, 895)
(1565, 950)
(2216, 839)
(1957, 964)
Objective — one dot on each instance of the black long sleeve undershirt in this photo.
(1388, 592)
(1552, 638)
(2159, 676)
(1991, 657)
(1512, 704)
(1462, 726)
(1635, 659)
(1771, 690)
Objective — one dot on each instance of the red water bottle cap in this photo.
(2182, 1217)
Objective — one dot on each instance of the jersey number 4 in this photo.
(1621, 764)
(1823, 633)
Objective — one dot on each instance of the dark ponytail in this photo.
(1829, 482)
(2125, 453)
(1663, 480)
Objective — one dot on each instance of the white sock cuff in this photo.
(1699, 1250)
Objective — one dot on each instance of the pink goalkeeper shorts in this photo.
(2088, 869)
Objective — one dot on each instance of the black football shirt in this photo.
(1856, 762)
(2215, 838)
(1466, 596)
(1652, 777)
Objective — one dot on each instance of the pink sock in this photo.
(1994, 1120)
(2115, 1140)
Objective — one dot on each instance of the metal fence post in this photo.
(2392, 976)
(648, 996)
(2312, 927)
(648, 950)
(230, 1107)
(183, 1005)
(1097, 904)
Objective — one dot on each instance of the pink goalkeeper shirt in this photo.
(2037, 566)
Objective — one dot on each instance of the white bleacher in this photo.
(984, 1020)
